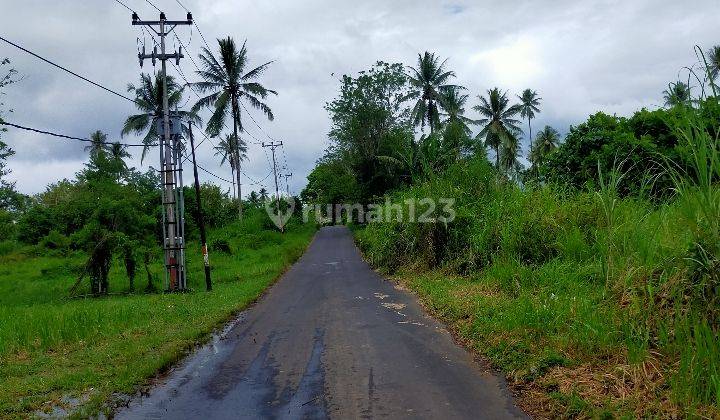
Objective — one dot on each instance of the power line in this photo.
(210, 173)
(256, 123)
(255, 181)
(68, 71)
(203, 37)
(151, 4)
(192, 88)
(73, 138)
(181, 5)
(124, 5)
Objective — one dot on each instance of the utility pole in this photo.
(200, 215)
(173, 223)
(287, 184)
(273, 146)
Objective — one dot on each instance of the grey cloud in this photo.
(583, 57)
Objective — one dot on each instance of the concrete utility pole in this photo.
(200, 215)
(273, 146)
(287, 184)
(170, 160)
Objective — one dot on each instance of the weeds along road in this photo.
(331, 339)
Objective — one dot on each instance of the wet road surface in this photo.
(331, 339)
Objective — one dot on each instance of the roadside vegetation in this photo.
(590, 277)
(84, 313)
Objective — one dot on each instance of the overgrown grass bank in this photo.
(54, 349)
(591, 303)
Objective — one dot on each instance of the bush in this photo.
(221, 245)
(55, 241)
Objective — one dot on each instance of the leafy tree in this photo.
(529, 105)
(330, 182)
(368, 119)
(637, 146)
(149, 101)
(430, 83)
(230, 86)
(218, 208)
(263, 194)
(11, 202)
(677, 93)
(499, 127)
(5, 153)
(6, 79)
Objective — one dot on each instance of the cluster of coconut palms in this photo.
(680, 92)
(228, 90)
(498, 119)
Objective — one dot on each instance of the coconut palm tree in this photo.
(118, 153)
(429, 81)
(254, 199)
(529, 105)
(499, 127)
(509, 154)
(229, 85)
(713, 62)
(263, 194)
(677, 93)
(454, 109)
(149, 100)
(546, 141)
(98, 143)
(227, 149)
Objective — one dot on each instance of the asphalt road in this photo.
(332, 339)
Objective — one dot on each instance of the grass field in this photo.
(593, 304)
(55, 350)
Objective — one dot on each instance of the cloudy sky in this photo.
(581, 56)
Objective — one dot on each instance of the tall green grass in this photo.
(52, 346)
(575, 277)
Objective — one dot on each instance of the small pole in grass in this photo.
(200, 217)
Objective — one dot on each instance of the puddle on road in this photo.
(394, 306)
(420, 324)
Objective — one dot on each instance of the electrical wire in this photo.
(125, 6)
(50, 133)
(256, 123)
(151, 4)
(181, 5)
(68, 71)
(255, 181)
(192, 88)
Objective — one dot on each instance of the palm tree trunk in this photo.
(430, 116)
(232, 171)
(236, 112)
(497, 157)
(530, 129)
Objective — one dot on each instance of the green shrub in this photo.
(221, 245)
(55, 241)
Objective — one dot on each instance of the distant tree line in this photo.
(395, 125)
